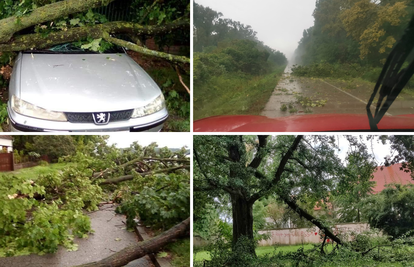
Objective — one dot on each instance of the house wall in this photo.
(6, 143)
(296, 236)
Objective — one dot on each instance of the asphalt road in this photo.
(338, 96)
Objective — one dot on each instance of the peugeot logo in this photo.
(101, 118)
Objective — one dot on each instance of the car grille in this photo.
(87, 117)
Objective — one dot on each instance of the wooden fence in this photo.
(6, 162)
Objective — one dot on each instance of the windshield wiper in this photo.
(392, 80)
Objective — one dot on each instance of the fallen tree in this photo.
(12, 25)
(141, 249)
(130, 177)
(41, 213)
(144, 161)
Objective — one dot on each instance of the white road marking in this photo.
(352, 96)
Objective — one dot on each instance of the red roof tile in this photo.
(389, 175)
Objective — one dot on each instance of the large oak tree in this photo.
(293, 168)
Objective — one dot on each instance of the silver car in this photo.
(78, 91)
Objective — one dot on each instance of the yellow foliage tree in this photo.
(365, 21)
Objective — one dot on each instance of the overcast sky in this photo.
(380, 151)
(278, 23)
(171, 140)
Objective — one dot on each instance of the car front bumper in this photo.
(150, 123)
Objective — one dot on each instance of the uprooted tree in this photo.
(39, 214)
(60, 22)
(295, 169)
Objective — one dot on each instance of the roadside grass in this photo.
(34, 172)
(234, 93)
(180, 252)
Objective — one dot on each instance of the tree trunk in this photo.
(11, 25)
(358, 217)
(39, 41)
(141, 249)
(242, 220)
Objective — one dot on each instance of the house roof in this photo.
(389, 175)
(7, 137)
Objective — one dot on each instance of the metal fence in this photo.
(117, 10)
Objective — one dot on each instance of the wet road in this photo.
(299, 95)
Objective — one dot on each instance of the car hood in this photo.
(301, 123)
(84, 82)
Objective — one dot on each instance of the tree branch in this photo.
(301, 163)
(144, 50)
(260, 153)
(141, 249)
(212, 183)
(181, 80)
(130, 177)
(280, 169)
(168, 159)
(303, 213)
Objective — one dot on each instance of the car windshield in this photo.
(71, 48)
(321, 59)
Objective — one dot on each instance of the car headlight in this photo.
(30, 110)
(156, 105)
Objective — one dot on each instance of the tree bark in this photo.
(39, 41)
(303, 213)
(130, 177)
(242, 220)
(141, 249)
(11, 25)
(145, 51)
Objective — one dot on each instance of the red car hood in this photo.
(301, 123)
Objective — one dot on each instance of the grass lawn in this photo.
(261, 251)
(34, 172)
(234, 94)
(180, 252)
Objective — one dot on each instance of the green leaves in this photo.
(31, 226)
(163, 200)
(74, 22)
(94, 45)
(392, 210)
